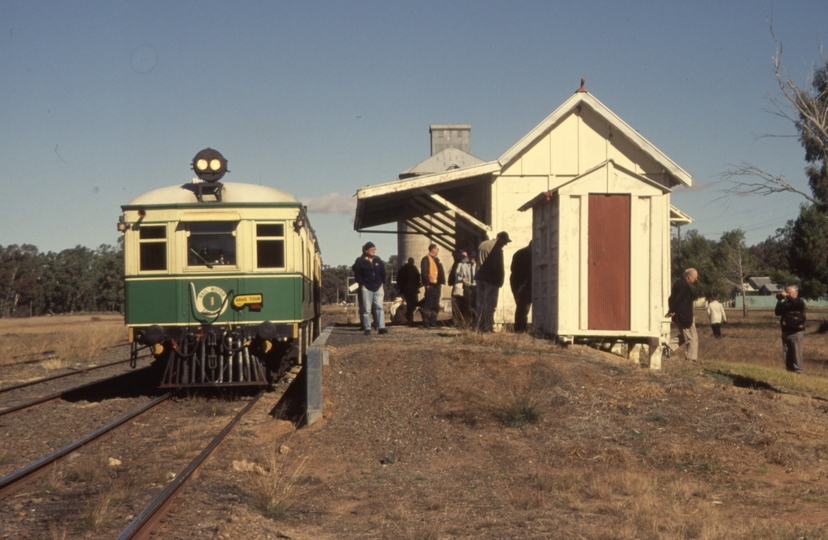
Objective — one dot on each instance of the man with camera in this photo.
(791, 312)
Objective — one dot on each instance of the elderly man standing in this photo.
(369, 272)
(681, 311)
(490, 279)
(791, 311)
(434, 277)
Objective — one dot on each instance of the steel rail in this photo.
(53, 377)
(142, 526)
(14, 481)
(62, 393)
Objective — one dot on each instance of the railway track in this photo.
(16, 480)
(81, 371)
(74, 390)
(142, 526)
(146, 442)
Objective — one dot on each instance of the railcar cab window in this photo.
(152, 250)
(211, 243)
(270, 245)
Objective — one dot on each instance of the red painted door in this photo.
(609, 262)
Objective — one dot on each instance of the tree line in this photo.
(798, 253)
(77, 279)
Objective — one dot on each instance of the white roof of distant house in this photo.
(232, 193)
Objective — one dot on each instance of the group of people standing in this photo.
(789, 308)
(475, 278)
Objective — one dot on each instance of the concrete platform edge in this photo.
(317, 357)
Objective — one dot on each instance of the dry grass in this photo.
(71, 338)
(509, 344)
(55, 477)
(57, 530)
(751, 348)
(523, 404)
(273, 485)
(188, 443)
(159, 473)
(87, 468)
(755, 339)
(95, 512)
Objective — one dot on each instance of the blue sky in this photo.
(102, 101)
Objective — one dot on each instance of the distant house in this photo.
(764, 286)
(760, 292)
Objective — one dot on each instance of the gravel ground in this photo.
(415, 443)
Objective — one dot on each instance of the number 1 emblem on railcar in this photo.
(211, 301)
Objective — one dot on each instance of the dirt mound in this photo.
(443, 434)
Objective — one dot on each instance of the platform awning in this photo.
(424, 202)
(679, 218)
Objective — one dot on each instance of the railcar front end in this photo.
(222, 282)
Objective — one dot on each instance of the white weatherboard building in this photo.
(593, 182)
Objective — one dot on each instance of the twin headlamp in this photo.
(209, 165)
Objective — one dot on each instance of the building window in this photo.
(270, 245)
(152, 250)
(211, 243)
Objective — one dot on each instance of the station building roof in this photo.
(385, 203)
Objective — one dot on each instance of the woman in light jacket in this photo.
(716, 312)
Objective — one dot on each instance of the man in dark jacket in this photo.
(521, 282)
(490, 279)
(408, 280)
(369, 272)
(433, 277)
(791, 311)
(681, 311)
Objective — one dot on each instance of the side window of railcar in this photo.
(152, 251)
(270, 245)
(212, 243)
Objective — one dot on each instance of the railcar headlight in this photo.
(210, 165)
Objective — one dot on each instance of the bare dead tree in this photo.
(735, 271)
(807, 109)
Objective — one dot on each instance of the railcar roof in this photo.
(232, 193)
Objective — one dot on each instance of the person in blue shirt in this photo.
(369, 272)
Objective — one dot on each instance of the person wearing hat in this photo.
(369, 272)
(490, 279)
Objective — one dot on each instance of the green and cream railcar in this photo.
(222, 282)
